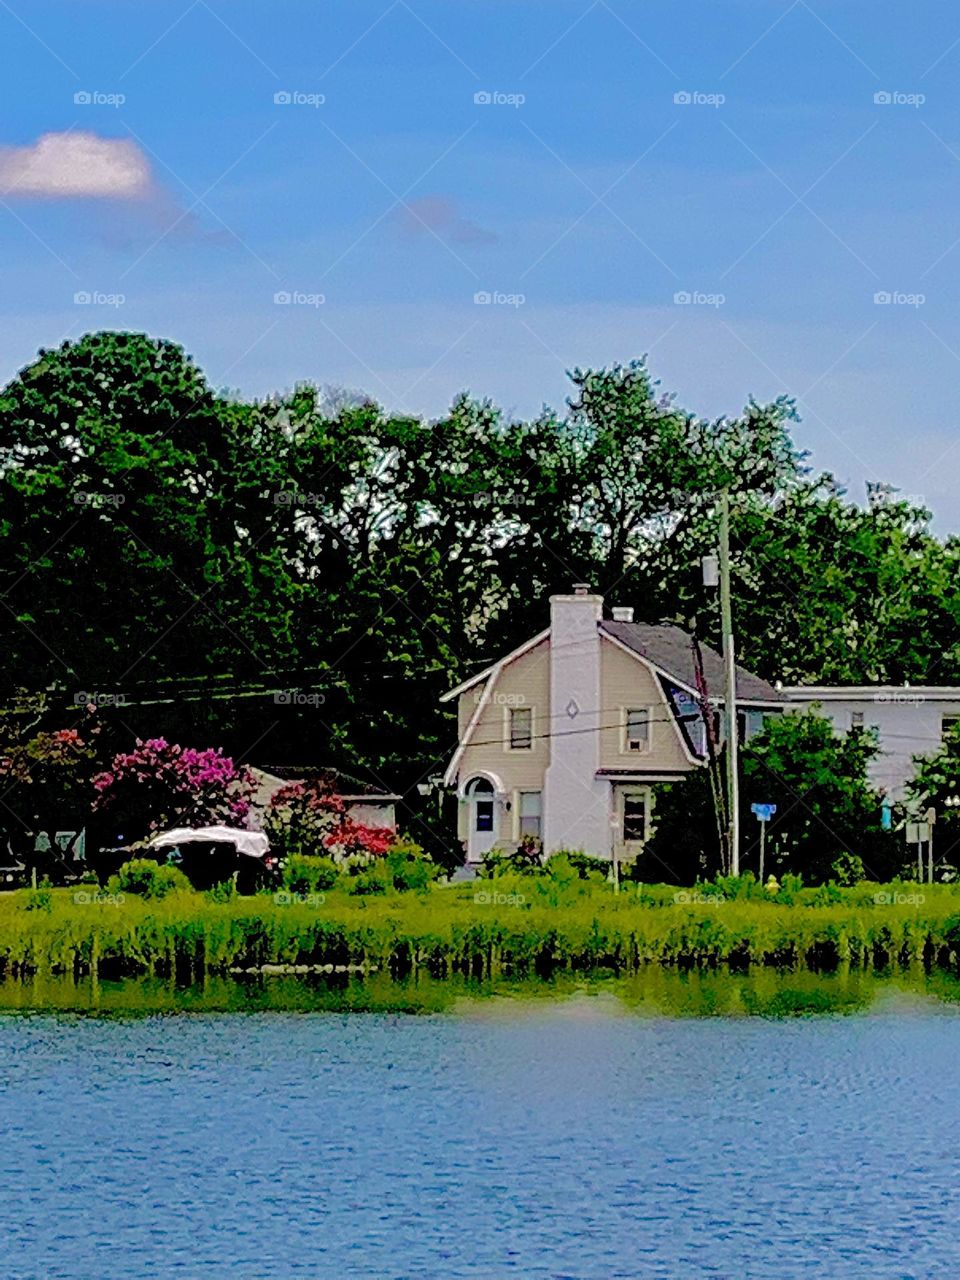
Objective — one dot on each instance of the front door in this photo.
(481, 799)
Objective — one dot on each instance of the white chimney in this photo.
(623, 613)
(575, 801)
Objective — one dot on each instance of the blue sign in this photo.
(764, 811)
(886, 817)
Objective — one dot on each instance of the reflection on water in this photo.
(532, 1130)
(655, 991)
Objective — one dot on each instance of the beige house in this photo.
(566, 738)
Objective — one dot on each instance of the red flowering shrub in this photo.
(355, 839)
(45, 773)
(310, 817)
(160, 784)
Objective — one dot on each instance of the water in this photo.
(574, 1130)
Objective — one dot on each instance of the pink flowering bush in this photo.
(160, 784)
(311, 818)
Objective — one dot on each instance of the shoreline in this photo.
(449, 931)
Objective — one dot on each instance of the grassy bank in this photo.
(482, 930)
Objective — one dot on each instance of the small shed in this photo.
(372, 806)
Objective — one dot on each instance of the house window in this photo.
(484, 811)
(637, 729)
(521, 728)
(948, 723)
(531, 813)
(634, 817)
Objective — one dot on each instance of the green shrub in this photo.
(371, 880)
(409, 867)
(225, 891)
(146, 879)
(848, 869)
(305, 874)
(526, 858)
(38, 899)
(586, 865)
(743, 888)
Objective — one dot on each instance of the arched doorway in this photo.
(482, 812)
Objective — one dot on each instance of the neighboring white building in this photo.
(566, 738)
(909, 720)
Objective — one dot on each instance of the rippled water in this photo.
(547, 1137)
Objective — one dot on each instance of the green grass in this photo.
(523, 925)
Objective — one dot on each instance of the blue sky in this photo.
(584, 199)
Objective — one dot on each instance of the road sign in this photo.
(764, 813)
(917, 832)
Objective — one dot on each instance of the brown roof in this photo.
(670, 649)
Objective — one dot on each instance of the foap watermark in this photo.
(296, 498)
(94, 298)
(287, 898)
(694, 98)
(894, 98)
(896, 899)
(895, 698)
(483, 498)
(296, 298)
(492, 898)
(695, 298)
(98, 500)
(86, 898)
(86, 698)
(297, 98)
(496, 98)
(495, 298)
(688, 897)
(297, 698)
(98, 98)
(501, 699)
(896, 298)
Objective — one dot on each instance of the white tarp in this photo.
(253, 843)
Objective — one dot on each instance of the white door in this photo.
(482, 809)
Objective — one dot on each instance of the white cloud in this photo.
(68, 166)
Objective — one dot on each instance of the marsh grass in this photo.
(510, 924)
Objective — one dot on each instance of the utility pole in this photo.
(730, 688)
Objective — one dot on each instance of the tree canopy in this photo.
(299, 578)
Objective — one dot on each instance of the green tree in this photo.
(830, 592)
(826, 806)
(936, 784)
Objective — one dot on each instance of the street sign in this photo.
(764, 812)
(917, 832)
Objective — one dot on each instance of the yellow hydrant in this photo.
(772, 885)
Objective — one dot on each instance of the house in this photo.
(909, 720)
(371, 806)
(567, 737)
